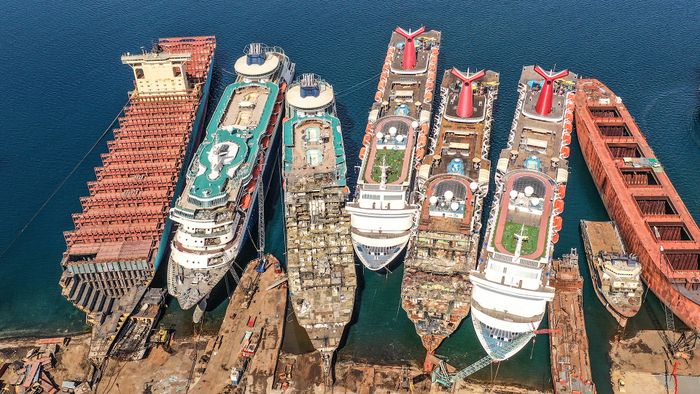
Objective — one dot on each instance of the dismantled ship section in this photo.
(320, 260)
(568, 342)
(653, 221)
(121, 235)
(452, 182)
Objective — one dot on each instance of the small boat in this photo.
(616, 274)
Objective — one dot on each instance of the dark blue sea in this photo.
(62, 84)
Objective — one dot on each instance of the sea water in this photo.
(63, 84)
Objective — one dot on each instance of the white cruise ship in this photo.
(213, 213)
(511, 283)
(383, 213)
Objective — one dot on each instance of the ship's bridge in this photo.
(257, 62)
(310, 93)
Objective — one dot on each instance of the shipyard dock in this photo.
(246, 349)
(568, 342)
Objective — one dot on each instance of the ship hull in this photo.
(217, 273)
(621, 315)
(621, 207)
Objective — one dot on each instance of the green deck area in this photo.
(288, 143)
(394, 162)
(247, 142)
(529, 245)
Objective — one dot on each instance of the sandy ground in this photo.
(160, 372)
(641, 364)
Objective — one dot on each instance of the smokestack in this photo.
(465, 106)
(544, 103)
(409, 50)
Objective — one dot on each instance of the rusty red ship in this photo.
(638, 194)
(121, 236)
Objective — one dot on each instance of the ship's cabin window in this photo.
(139, 73)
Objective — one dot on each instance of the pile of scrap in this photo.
(32, 374)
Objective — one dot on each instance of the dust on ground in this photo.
(639, 364)
(303, 375)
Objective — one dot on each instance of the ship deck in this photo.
(653, 220)
(229, 153)
(118, 233)
(305, 139)
(603, 237)
(401, 99)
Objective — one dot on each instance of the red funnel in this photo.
(465, 106)
(544, 103)
(409, 50)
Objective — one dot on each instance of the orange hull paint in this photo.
(669, 263)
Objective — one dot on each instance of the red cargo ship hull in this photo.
(639, 196)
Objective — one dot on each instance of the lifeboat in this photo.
(562, 191)
(559, 205)
(433, 67)
(565, 150)
(557, 223)
(428, 97)
(366, 140)
(368, 129)
(378, 96)
(569, 115)
(568, 127)
(265, 142)
(555, 238)
(251, 186)
(422, 139)
(247, 199)
(258, 170)
(363, 151)
(420, 153)
(382, 84)
(566, 138)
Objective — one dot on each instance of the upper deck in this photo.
(314, 156)
(653, 220)
(226, 158)
(534, 168)
(402, 107)
(460, 163)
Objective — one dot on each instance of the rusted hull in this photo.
(623, 203)
(619, 314)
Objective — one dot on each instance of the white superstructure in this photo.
(213, 212)
(511, 283)
(383, 213)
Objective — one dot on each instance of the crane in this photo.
(442, 376)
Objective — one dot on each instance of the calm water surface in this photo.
(63, 84)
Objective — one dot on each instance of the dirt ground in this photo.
(360, 378)
(640, 363)
(160, 372)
